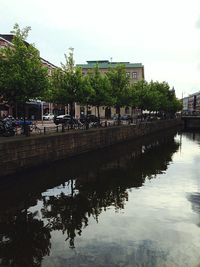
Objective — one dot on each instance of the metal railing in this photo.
(40, 128)
(61, 128)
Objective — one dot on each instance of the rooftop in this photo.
(104, 64)
(9, 38)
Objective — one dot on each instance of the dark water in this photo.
(136, 204)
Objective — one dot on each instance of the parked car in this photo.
(66, 119)
(62, 119)
(89, 118)
(126, 117)
(48, 116)
(115, 117)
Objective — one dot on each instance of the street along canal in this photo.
(133, 204)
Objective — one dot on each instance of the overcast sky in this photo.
(164, 35)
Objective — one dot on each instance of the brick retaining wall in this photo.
(16, 155)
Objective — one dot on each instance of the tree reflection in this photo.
(132, 170)
(102, 181)
(66, 213)
(70, 213)
(24, 240)
(107, 187)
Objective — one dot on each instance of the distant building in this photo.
(191, 103)
(185, 103)
(135, 71)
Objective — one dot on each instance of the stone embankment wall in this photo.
(19, 154)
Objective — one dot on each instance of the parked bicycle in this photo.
(7, 127)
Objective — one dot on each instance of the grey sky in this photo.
(163, 35)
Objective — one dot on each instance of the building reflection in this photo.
(194, 198)
(192, 135)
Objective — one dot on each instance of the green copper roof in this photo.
(105, 64)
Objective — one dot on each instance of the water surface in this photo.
(136, 204)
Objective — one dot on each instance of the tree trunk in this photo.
(86, 109)
(71, 114)
(98, 114)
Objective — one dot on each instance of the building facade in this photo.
(135, 72)
(191, 104)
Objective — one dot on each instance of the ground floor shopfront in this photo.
(36, 109)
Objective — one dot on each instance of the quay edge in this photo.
(21, 154)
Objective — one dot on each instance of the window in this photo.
(128, 74)
(134, 75)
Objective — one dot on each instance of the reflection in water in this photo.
(192, 135)
(106, 187)
(24, 240)
(144, 254)
(70, 213)
(100, 181)
(195, 200)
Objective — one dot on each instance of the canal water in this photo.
(132, 205)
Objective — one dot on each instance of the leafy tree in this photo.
(22, 75)
(139, 94)
(167, 103)
(162, 90)
(154, 96)
(119, 86)
(67, 83)
(101, 87)
(87, 92)
(173, 104)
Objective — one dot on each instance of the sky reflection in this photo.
(139, 207)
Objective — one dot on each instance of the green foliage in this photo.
(139, 95)
(119, 86)
(154, 96)
(87, 92)
(101, 88)
(22, 76)
(67, 83)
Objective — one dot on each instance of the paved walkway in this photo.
(40, 128)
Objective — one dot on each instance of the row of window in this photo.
(134, 75)
(128, 74)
